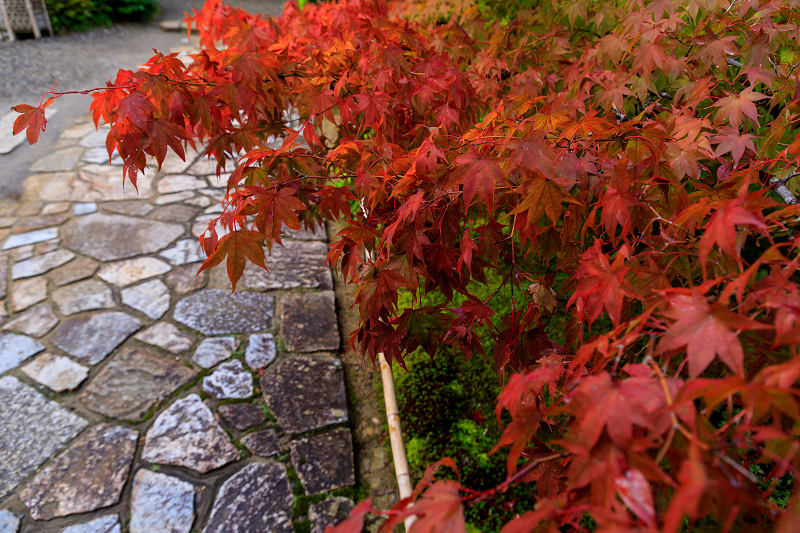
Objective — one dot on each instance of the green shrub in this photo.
(82, 15)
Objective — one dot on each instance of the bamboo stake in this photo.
(396, 435)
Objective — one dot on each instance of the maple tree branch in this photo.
(779, 186)
(524, 471)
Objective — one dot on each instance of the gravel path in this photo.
(80, 61)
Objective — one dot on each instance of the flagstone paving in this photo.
(138, 396)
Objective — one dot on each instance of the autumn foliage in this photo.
(627, 168)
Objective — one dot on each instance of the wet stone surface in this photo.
(161, 503)
(329, 513)
(132, 382)
(111, 237)
(268, 506)
(34, 428)
(308, 322)
(295, 264)
(89, 475)
(92, 338)
(264, 443)
(217, 312)
(324, 462)
(306, 393)
(241, 415)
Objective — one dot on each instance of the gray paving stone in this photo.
(229, 381)
(329, 513)
(174, 213)
(268, 506)
(306, 393)
(161, 504)
(89, 183)
(173, 198)
(260, 350)
(26, 224)
(84, 208)
(36, 321)
(89, 475)
(34, 428)
(184, 279)
(180, 183)
(58, 161)
(32, 237)
(57, 372)
(130, 271)
(27, 292)
(112, 237)
(264, 443)
(9, 522)
(241, 415)
(3, 274)
(88, 295)
(295, 264)
(14, 349)
(136, 208)
(95, 139)
(105, 524)
(309, 322)
(41, 264)
(324, 462)
(200, 201)
(132, 382)
(217, 312)
(92, 338)
(173, 164)
(80, 268)
(211, 351)
(150, 298)
(185, 251)
(166, 336)
(187, 435)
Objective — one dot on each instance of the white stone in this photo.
(185, 251)
(95, 139)
(41, 264)
(59, 160)
(180, 183)
(166, 336)
(32, 237)
(173, 198)
(214, 209)
(14, 349)
(56, 371)
(106, 524)
(84, 208)
(200, 201)
(151, 298)
(83, 296)
(260, 350)
(213, 350)
(36, 321)
(26, 292)
(56, 208)
(9, 522)
(229, 381)
(161, 503)
(124, 273)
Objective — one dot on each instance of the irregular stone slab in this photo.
(150, 298)
(309, 322)
(229, 381)
(185, 251)
(204, 166)
(48, 246)
(184, 279)
(22, 253)
(89, 475)
(161, 503)
(267, 507)
(56, 208)
(212, 351)
(200, 201)
(241, 415)
(134, 381)
(187, 435)
(217, 311)
(16, 348)
(180, 183)
(32, 237)
(34, 428)
(106, 524)
(84, 208)
(89, 183)
(9, 522)
(41, 264)
(329, 513)
(166, 336)
(58, 161)
(83, 296)
(112, 237)
(36, 321)
(324, 462)
(26, 292)
(57, 372)
(130, 271)
(295, 264)
(260, 350)
(174, 213)
(306, 393)
(3, 274)
(136, 208)
(7, 222)
(28, 209)
(92, 338)
(95, 139)
(79, 131)
(98, 155)
(38, 222)
(80, 268)
(264, 443)
(173, 164)
(172, 198)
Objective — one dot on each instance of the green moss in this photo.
(268, 416)
(302, 526)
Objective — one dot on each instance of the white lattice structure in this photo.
(24, 16)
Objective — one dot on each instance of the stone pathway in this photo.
(138, 397)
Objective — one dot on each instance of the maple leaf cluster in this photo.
(627, 168)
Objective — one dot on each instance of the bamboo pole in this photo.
(396, 435)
